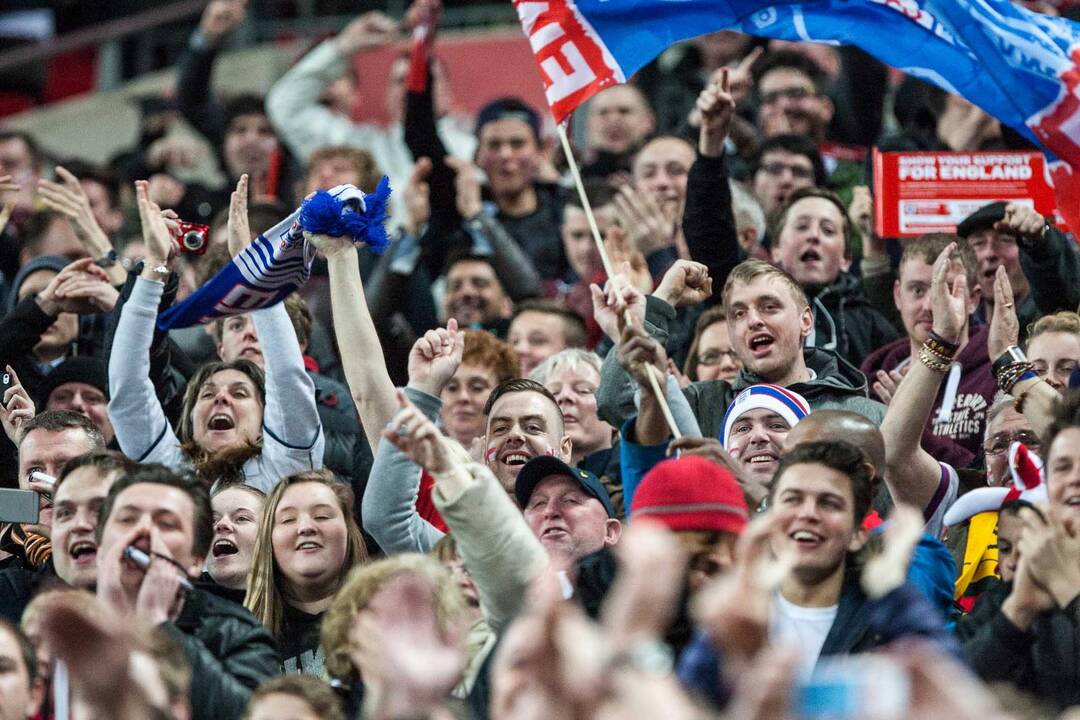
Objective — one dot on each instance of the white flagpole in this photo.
(657, 387)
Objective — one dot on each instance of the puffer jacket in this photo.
(230, 653)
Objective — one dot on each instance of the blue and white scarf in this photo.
(278, 261)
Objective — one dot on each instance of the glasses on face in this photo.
(999, 444)
(715, 357)
(776, 169)
(791, 93)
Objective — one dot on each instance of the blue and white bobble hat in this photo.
(787, 404)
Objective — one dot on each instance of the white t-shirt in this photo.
(804, 628)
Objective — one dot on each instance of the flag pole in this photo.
(652, 372)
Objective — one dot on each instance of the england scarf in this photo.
(279, 260)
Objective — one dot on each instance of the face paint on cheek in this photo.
(550, 452)
(489, 454)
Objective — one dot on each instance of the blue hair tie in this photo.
(324, 214)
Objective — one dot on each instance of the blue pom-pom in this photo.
(324, 214)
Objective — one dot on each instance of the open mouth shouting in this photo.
(224, 547)
(83, 552)
(760, 344)
(810, 258)
(220, 422)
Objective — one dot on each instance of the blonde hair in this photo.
(363, 584)
(749, 270)
(1065, 321)
(264, 597)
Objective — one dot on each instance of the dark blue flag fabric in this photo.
(1017, 65)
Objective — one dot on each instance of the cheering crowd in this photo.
(751, 460)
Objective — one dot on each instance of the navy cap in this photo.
(540, 468)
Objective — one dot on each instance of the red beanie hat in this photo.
(691, 493)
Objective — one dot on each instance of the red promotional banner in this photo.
(924, 192)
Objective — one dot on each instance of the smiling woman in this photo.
(306, 544)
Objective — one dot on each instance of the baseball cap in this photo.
(540, 468)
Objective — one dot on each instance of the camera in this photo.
(190, 237)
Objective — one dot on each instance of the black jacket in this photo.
(229, 651)
(19, 584)
(845, 321)
(1045, 660)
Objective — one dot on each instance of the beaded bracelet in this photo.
(1013, 373)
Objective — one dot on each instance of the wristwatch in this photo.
(1012, 354)
(108, 259)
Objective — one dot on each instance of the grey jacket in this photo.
(389, 507)
(292, 438)
(836, 385)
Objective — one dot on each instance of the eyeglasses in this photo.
(776, 169)
(999, 444)
(791, 93)
(715, 357)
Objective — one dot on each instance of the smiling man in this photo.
(755, 426)
(567, 509)
(821, 494)
(77, 496)
(1036, 625)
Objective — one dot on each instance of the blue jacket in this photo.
(861, 624)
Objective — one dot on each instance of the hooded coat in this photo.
(836, 384)
(846, 322)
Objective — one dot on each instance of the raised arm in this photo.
(1038, 396)
(499, 550)
(293, 102)
(293, 438)
(194, 98)
(362, 355)
(512, 265)
(390, 498)
(709, 220)
(143, 432)
(911, 474)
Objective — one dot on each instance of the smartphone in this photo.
(19, 506)
(863, 687)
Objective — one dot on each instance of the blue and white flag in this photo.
(278, 261)
(1017, 65)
